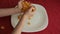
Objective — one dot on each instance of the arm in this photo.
(20, 25)
(8, 11)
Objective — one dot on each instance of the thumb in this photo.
(30, 9)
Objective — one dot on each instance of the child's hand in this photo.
(24, 5)
(20, 4)
(30, 12)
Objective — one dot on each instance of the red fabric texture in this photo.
(53, 11)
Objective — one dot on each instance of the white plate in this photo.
(38, 23)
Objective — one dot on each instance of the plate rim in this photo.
(38, 29)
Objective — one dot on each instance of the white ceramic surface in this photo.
(38, 22)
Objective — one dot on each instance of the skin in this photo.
(10, 11)
(21, 23)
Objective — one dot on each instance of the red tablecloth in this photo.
(53, 10)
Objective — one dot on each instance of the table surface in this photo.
(53, 11)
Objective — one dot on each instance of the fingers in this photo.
(32, 9)
(29, 12)
(20, 4)
(22, 0)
